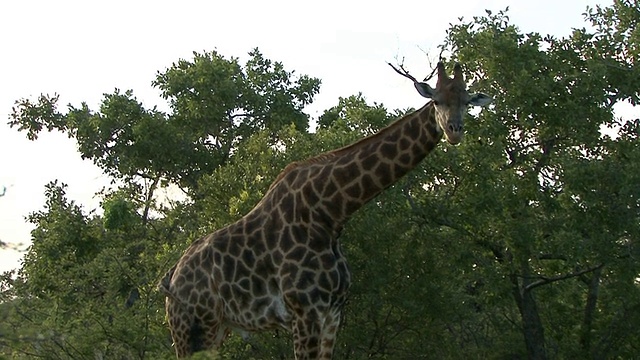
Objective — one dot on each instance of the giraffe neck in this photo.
(331, 187)
(366, 168)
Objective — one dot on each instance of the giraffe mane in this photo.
(296, 164)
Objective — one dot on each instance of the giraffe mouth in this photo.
(453, 138)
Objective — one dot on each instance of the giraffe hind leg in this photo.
(196, 337)
(180, 326)
(192, 333)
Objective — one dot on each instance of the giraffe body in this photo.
(281, 266)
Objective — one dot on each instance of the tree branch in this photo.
(546, 256)
(404, 72)
(548, 280)
(149, 199)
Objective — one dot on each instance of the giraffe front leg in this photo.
(306, 338)
(329, 334)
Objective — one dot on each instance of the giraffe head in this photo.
(451, 99)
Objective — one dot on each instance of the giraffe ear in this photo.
(424, 89)
(480, 99)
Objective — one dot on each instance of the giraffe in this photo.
(281, 265)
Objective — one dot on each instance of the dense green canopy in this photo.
(522, 242)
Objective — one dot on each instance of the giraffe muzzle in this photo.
(454, 133)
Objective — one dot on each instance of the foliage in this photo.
(215, 104)
(554, 218)
(87, 287)
(84, 292)
(522, 242)
(353, 114)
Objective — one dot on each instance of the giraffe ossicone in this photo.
(281, 265)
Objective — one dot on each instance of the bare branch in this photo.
(431, 74)
(434, 68)
(404, 72)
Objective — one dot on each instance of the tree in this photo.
(87, 287)
(85, 291)
(215, 103)
(528, 192)
(354, 114)
(520, 242)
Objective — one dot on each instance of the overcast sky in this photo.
(83, 49)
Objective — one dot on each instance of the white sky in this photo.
(82, 49)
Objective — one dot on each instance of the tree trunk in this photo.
(590, 308)
(532, 328)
